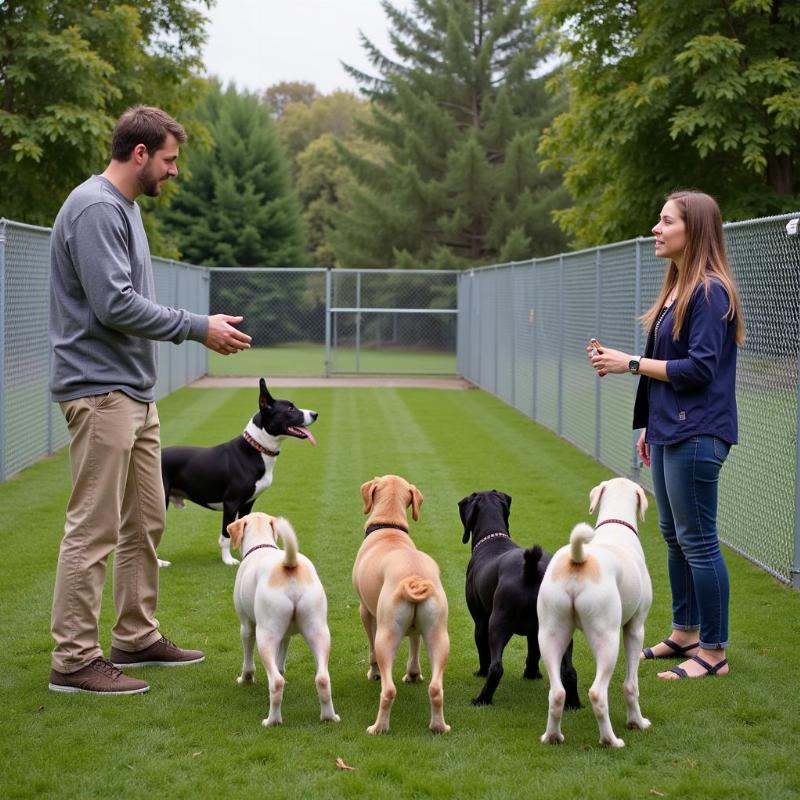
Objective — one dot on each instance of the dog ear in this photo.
(275, 533)
(368, 494)
(506, 498)
(265, 399)
(236, 532)
(416, 501)
(595, 495)
(466, 507)
(641, 501)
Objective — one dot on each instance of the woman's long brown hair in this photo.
(703, 257)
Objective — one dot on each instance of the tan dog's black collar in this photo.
(260, 447)
(617, 522)
(376, 526)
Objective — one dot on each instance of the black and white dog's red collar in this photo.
(258, 547)
(376, 526)
(260, 447)
(489, 536)
(617, 522)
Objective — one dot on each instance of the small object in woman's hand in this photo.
(595, 346)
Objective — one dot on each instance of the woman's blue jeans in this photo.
(685, 479)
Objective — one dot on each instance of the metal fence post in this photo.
(598, 260)
(513, 340)
(534, 318)
(2, 349)
(481, 314)
(358, 321)
(637, 346)
(328, 279)
(560, 425)
(496, 324)
(795, 571)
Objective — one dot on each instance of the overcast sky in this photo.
(260, 42)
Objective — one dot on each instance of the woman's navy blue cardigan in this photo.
(700, 395)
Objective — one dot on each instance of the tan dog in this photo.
(401, 595)
(599, 583)
(278, 593)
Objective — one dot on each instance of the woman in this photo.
(686, 407)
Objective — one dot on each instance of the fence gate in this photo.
(391, 322)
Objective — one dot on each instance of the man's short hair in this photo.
(143, 125)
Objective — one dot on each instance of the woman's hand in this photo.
(606, 360)
(643, 449)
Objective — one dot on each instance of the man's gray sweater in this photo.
(104, 320)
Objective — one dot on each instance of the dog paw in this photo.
(480, 700)
(373, 674)
(271, 722)
(244, 679)
(573, 704)
(612, 741)
(376, 729)
(439, 727)
(329, 718)
(412, 677)
(638, 725)
(164, 564)
(532, 675)
(552, 738)
(230, 561)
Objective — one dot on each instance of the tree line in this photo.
(495, 131)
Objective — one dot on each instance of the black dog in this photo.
(232, 475)
(502, 587)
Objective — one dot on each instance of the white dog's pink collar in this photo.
(258, 547)
(617, 522)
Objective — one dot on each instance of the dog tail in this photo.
(415, 588)
(581, 535)
(530, 564)
(284, 529)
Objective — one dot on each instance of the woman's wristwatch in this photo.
(633, 365)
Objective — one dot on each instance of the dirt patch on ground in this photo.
(371, 381)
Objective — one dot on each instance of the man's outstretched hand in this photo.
(223, 337)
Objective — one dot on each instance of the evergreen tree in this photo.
(235, 207)
(459, 114)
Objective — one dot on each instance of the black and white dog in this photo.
(502, 588)
(230, 476)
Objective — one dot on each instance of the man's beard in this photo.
(149, 184)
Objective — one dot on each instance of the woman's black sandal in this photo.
(710, 669)
(677, 650)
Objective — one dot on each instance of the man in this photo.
(104, 323)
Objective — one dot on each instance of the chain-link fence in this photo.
(342, 321)
(523, 330)
(31, 425)
(516, 330)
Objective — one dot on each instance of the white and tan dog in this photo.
(598, 583)
(278, 593)
(401, 595)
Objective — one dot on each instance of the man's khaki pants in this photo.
(117, 504)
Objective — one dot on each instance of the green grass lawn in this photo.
(309, 359)
(198, 733)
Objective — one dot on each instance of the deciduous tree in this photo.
(67, 70)
(666, 95)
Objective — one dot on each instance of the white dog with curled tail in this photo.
(599, 583)
(278, 593)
